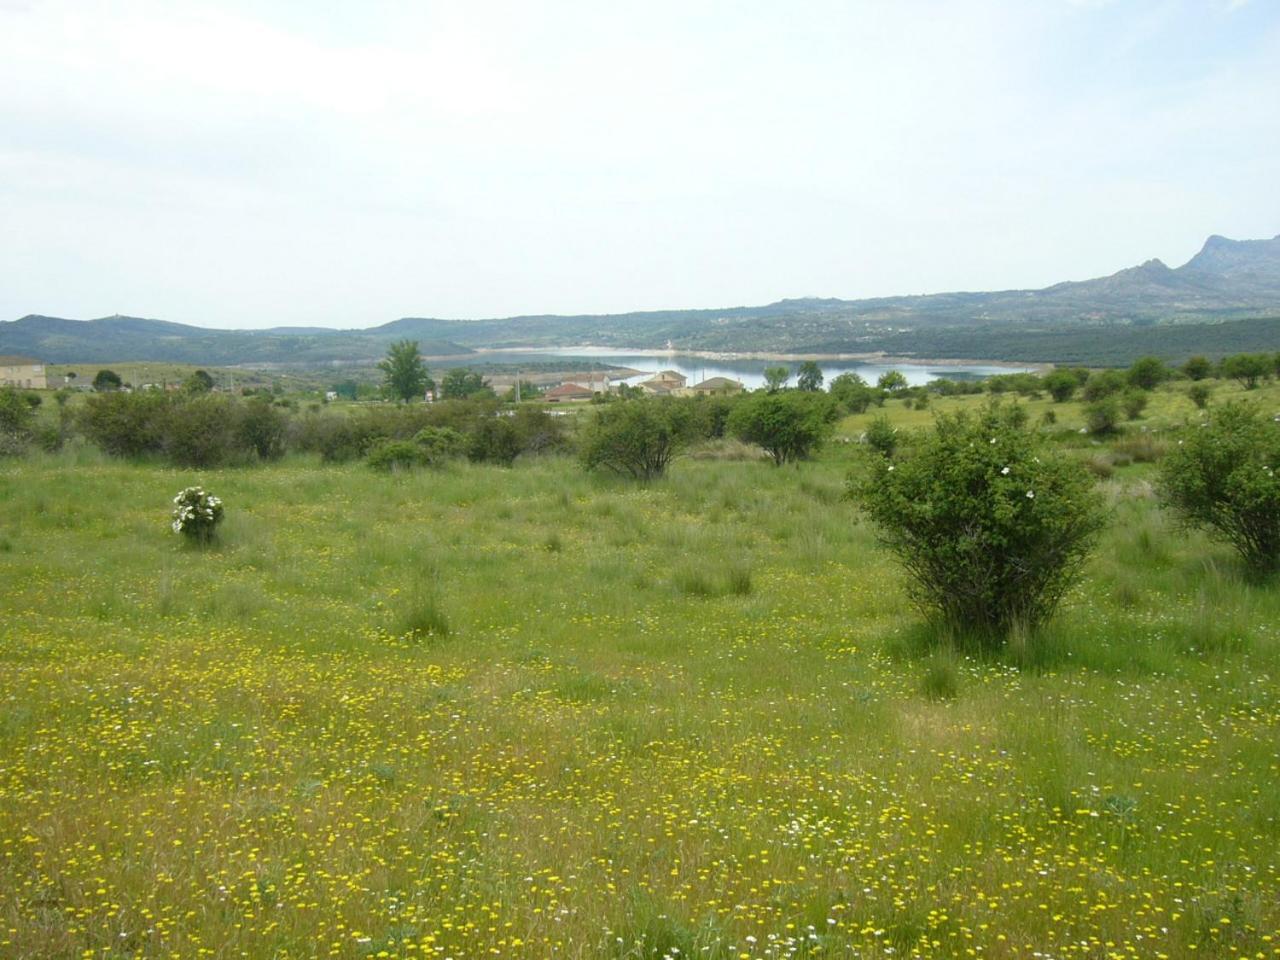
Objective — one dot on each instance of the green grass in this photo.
(481, 712)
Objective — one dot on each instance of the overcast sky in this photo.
(250, 164)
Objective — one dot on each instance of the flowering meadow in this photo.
(688, 719)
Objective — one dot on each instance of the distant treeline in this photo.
(1092, 346)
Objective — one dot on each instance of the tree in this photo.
(1146, 373)
(1197, 368)
(1245, 368)
(1103, 384)
(105, 381)
(16, 418)
(810, 377)
(198, 382)
(1226, 476)
(460, 383)
(851, 392)
(789, 426)
(1199, 394)
(1061, 384)
(775, 378)
(638, 438)
(892, 380)
(991, 526)
(404, 374)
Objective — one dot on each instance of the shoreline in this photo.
(877, 356)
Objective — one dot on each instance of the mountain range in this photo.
(1228, 280)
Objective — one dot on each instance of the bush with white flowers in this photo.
(196, 514)
(990, 525)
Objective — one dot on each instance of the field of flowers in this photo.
(685, 720)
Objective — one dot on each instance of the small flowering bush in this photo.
(196, 514)
(991, 527)
(1225, 475)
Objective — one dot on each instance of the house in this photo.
(568, 391)
(714, 385)
(665, 384)
(22, 372)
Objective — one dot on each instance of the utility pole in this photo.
(517, 385)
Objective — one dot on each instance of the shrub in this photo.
(439, 444)
(1102, 415)
(201, 431)
(1134, 402)
(1224, 476)
(1199, 394)
(1103, 384)
(494, 440)
(638, 438)
(196, 515)
(125, 424)
(16, 418)
(788, 426)
(1061, 385)
(394, 455)
(539, 432)
(1197, 368)
(1147, 373)
(882, 436)
(990, 526)
(260, 427)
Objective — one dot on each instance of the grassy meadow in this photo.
(479, 712)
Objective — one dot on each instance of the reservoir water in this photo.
(749, 372)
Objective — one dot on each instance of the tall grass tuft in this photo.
(941, 680)
(422, 618)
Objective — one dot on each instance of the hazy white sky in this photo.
(255, 163)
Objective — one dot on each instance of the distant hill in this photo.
(1228, 280)
(114, 339)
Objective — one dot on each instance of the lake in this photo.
(749, 372)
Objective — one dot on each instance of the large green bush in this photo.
(494, 440)
(1224, 475)
(639, 438)
(990, 526)
(1061, 385)
(126, 424)
(200, 431)
(16, 419)
(261, 427)
(789, 425)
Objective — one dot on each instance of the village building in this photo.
(668, 383)
(22, 372)
(717, 385)
(568, 391)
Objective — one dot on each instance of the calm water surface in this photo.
(750, 372)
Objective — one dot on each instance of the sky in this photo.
(312, 163)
